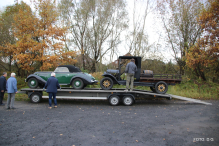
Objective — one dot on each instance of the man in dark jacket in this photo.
(130, 69)
(52, 84)
(2, 87)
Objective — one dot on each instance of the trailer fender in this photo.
(121, 95)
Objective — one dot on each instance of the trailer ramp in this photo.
(190, 99)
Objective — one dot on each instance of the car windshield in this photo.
(61, 69)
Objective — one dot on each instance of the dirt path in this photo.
(93, 123)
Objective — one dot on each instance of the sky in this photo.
(152, 28)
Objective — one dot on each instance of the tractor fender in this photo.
(115, 81)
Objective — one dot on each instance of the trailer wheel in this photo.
(127, 100)
(35, 97)
(106, 83)
(33, 83)
(161, 87)
(153, 89)
(78, 83)
(114, 100)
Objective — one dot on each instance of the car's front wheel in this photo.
(78, 83)
(33, 83)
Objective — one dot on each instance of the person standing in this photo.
(11, 87)
(130, 69)
(52, 84)
(2, 87)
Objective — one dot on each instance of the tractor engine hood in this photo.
(112, 71)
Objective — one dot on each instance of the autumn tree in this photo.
(39, 39)
(204, 55)
(7, 35)
(182, 30)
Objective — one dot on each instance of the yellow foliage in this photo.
(38, 38)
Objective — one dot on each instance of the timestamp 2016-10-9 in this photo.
(203, 139)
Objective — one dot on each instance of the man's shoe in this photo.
(126, 90)
(55, 106)
(8, 107)
(2, 104)
(13, 108)
(131, 90)
(50, 107)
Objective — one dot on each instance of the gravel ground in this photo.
(96, 123)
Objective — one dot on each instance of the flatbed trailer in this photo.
(114, 96)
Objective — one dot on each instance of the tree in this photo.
(95, 26)
(39, 39)
(204, 55)
(75, 15)
(108, 21)
(137, 38)
(7, 35)
(179, 19)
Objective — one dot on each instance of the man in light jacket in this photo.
(52, 84)
(2, 87)
(130, 69)
(11, 87)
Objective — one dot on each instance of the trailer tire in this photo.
(161, 87)
(33, 83)
(106, 83)
(127, 100)
(35, 97)
(114, 100)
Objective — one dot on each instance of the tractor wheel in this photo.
(161, 87)
(106, 83)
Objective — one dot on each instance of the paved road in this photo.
(96, 123)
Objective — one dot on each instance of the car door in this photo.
(63, 75)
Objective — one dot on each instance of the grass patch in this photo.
(196, 90)
(18, 97)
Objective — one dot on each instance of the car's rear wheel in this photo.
(33, 83)
(78, 83)
(106, 83)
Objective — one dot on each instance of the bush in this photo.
(21, 83)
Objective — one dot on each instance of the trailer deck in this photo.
(114, 96)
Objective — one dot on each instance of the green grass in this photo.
(18, 97)
(196, 90)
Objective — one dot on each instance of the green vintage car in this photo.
(66, 75)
